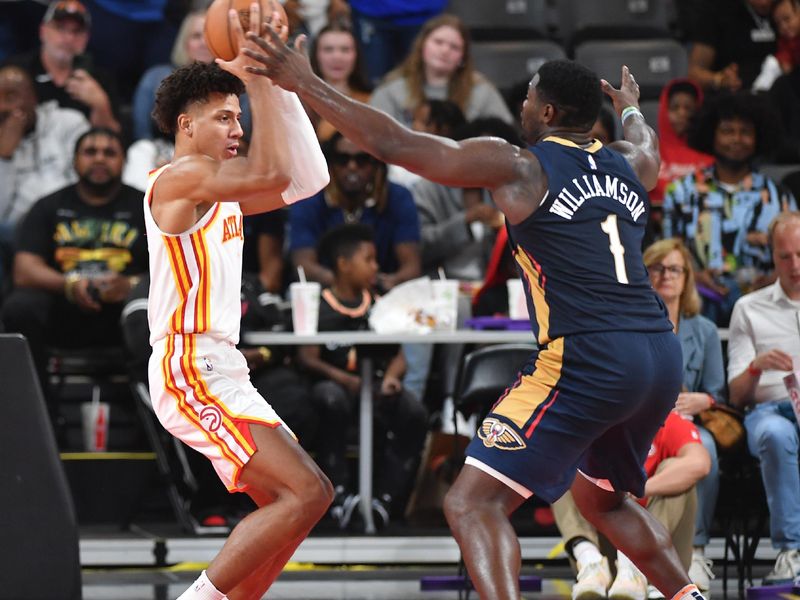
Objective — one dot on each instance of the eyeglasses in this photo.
(660, 269)
(342, 159)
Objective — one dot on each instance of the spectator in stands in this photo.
(337, 59)
(144, 155)
(437, 117)
(459, 225)
(439, 67)
(676, 462)
(786, 14)
(190, 46)
(401, 421)
(669, 265)
(386, 30)
(358, 193)
(680, 100)
(37, 142)
(130, 37)
(722, 212)
(79, 251)
(763, 347)
(731, 39)
(310, 16)
(61, 70)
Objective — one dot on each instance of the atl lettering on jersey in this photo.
(232, 228)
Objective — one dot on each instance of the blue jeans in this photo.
(707, 491)
(418, 367)
(772, 437)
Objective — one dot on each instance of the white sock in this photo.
(585, 552)
(202, 589)
(623, 562)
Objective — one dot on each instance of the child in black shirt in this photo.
(400, 420)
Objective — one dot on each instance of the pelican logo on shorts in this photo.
(210, 418)
(496, 434)
(209, 366)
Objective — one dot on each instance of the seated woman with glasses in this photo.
(672, 276)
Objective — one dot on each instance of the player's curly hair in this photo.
(741, 105)
(189, 84)
(573, 89)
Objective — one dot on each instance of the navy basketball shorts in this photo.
(591, 402)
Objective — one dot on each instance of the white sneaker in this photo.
(653, 593)
(630, 584)
(700, 572)
(593, 581)
(787, 567)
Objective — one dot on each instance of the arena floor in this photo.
(328, 584)
(138, 565)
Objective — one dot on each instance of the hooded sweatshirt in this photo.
(677, 159)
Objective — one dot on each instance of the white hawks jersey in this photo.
(195, 276)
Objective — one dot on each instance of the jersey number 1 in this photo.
(609, 226)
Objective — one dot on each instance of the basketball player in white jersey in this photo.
(199, 382)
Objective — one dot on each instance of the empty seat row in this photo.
(568, 20)
(653, 61)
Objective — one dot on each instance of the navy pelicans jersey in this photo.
(195, 276)
(579, 253)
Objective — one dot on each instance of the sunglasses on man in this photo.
(342, 159)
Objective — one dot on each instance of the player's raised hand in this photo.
(626, 95)
(238, 65)
(285, 66)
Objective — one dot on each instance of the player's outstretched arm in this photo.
(482, 162)
(640, 146)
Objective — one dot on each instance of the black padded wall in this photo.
(39, 543)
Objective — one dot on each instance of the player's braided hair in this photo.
(189, 84)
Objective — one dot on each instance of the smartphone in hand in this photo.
(82, 61)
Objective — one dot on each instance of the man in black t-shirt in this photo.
(730, 41)
(79, 252)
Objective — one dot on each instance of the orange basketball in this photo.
(219, 38)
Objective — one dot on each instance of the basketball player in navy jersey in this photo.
(585, 408)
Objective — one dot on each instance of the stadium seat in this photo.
(653, 62)
(507, 63)
(507, 19)
(486, 373)
(579, 20)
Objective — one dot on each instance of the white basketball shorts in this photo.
(201, 392)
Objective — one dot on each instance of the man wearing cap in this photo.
(60, 69)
